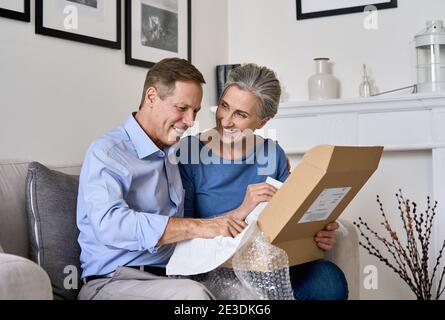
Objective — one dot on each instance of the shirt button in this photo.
(161, 154)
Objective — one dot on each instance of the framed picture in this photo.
(307, 9)
(15, 9)
(95, 22)
(157, 29)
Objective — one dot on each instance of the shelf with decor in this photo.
(402, 122)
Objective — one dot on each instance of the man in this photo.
(130, 199)
(130, 203)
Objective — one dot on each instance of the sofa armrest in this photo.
(345, 254)
(22, 279)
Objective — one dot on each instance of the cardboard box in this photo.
(316, 193)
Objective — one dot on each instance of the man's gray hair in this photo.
(261, 82)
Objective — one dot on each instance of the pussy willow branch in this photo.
(391, 247)
(436, 265)
(405, 211)
(394, 239)
(418, 220)
(405, 277)
(411, 260)
(401, 249)
(435, 268)
(375, 252)
(439, 292)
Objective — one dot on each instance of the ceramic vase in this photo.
(323, 85)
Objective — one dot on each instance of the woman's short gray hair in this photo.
(261, 82)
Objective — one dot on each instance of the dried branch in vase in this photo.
(410, 259)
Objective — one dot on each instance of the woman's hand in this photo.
(325, 238)
(255, 194)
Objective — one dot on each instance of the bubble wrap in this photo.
(260, 271)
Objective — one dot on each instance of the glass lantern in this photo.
(430, 46)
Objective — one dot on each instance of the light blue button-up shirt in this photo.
(128, 189)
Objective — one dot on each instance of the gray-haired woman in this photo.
(224, 171)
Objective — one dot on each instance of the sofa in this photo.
(22, 278)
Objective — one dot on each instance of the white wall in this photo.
(56, 96)
(268, 33)
(210, 28)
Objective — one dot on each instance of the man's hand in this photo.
(227, 226)
(325, 238)
(180, 229)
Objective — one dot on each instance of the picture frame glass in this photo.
(16, 9)
(307, 9)
(95, 18)
(13, 5)
(159, 29)
(309, 6)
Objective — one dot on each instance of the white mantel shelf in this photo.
(399, 123)
(390, 103)
(411, 102)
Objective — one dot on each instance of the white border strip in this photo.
(35, 221)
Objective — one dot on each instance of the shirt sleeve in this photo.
(282, 172)
(113, 222)
(186, 171)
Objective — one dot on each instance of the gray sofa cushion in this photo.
(51, 199)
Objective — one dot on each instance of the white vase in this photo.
(323, 85)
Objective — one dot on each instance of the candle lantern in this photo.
(430, 45)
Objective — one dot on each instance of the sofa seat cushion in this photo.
(51, 198)
(22, 279)
(13, 224)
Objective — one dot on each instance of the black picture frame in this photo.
(41, 29)
(333, 12)
(130, 59)
(16, 15)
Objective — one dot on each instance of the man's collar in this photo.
(141, 141)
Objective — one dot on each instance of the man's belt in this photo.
(159, 271)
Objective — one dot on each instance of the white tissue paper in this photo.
(203, 255)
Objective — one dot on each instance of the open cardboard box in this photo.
(316, 193)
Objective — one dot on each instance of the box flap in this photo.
(343, 158)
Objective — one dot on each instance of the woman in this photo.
(224, 171)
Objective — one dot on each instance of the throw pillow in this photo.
(51, 198)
